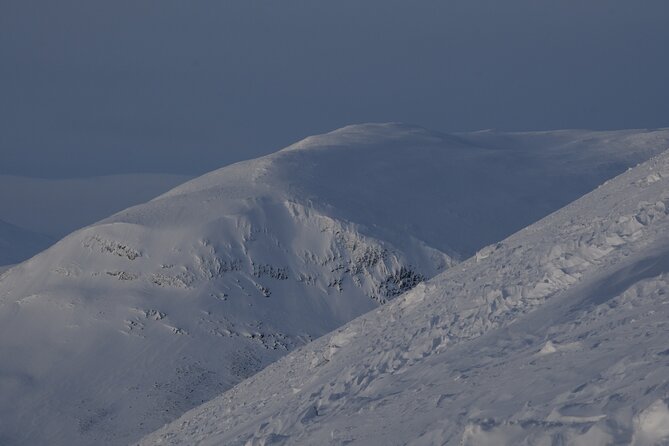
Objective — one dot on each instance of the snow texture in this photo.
(125, 325)
(555, 335)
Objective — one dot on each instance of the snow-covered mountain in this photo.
(36, 212)
(17, 244)
(126, 324)
(555, 335)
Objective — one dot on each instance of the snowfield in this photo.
(555, 335)
(126, 324)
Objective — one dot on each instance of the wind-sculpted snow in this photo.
(555, 335)
(126, 324)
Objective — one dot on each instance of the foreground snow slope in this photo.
(556, 335)
(124, 325)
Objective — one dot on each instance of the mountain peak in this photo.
(258, 258)
(367, 134)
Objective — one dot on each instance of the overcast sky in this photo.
(96, 87)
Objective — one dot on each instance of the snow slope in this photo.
(454, 192)
(126, 324)
(18, 244)
(555, 335)
(36, 212)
